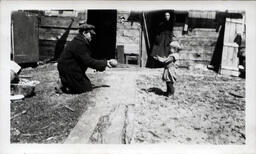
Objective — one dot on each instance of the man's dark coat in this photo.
(73, 63)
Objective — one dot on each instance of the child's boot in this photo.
(170, 89)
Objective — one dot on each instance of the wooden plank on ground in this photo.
(86, 125)
(129, 130)
(114, 134)
(90, 127)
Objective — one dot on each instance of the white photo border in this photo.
(6, 7)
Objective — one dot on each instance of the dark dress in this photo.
(163, 39)
(73, 63)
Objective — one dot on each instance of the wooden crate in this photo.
(229, 61)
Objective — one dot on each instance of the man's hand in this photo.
(112, 63)
(109, 64)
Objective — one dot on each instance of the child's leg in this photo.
(167, 87)
(170, 88)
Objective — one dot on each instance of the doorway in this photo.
(104, 44)
(153, 20)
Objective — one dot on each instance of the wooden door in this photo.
(25, 44)
(229, 61)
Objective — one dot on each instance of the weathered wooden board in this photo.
(87, 123)
(202, 14)
(144, 55)
(114, 134)
(198, 49)
(25, 37)
(58, 22)
(228, 71)
(195, 56)
(198, 32)
(129, 25)
(187, 63)
(52, 33)
(229, 55)
(47, 42)
(120, 54)
(203, 41)
(65, 13)
(204, 32)
(127, 40)
(131, 49)
(230, 61)
(232, 27)
(129, 132)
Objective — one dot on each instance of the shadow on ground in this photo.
(155, 90)
(100, 86)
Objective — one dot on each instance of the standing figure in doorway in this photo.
(164, 37)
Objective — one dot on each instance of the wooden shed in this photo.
(118, 35)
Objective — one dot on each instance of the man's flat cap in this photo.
(88, 27)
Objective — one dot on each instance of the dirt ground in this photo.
(207, 108)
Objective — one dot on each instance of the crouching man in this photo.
(75, 60)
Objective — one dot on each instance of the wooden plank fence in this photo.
(53, 23)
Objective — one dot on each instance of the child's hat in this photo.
(175, 44)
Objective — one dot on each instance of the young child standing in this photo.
(169, 74)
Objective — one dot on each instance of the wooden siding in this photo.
(52, 25)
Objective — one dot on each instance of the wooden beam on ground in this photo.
(115, 133)
(83, 130)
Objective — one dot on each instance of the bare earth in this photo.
(128, 106)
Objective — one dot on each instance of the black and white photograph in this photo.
(98, 76)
